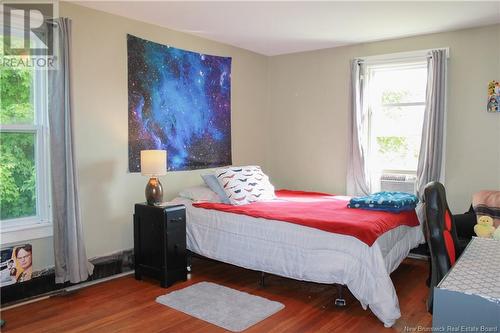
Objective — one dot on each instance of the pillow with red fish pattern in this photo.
(245, 184)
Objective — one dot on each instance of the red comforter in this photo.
(322, 211)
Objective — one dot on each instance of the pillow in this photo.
(199, 193)
(214, 185)
(245, 184)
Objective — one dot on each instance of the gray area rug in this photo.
(225, 307)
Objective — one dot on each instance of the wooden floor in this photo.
(127, 305)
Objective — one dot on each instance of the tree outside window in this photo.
(24, 196)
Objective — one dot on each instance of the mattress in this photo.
(304, 253)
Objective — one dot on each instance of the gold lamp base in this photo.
(154, 192)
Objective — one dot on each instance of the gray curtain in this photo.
(430, 161)
(71, 263)
(357, 177)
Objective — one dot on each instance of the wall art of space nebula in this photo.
(179, 101)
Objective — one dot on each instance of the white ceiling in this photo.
(273, 28)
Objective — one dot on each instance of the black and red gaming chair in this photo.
(440, 234)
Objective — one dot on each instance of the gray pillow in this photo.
(214, 185)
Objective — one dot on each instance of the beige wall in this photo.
(289, 114)
(107, 191)
(309, 105)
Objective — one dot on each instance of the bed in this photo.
(304, 253)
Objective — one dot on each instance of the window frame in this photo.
(416, 61)
(40, 225)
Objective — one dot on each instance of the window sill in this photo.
(26, 232)
(400, 171)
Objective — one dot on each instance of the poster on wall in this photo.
(493, 96)
(178, 101)
(16, 264)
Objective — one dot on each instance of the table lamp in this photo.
(154, 164)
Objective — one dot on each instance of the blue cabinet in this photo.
(468, 297)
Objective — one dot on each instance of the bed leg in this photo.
(189, 259)
(340, 301)
(262, 279)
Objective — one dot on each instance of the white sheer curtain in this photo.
(357, 176)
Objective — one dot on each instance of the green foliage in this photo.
(394, 145)
(15, 96)
(17, 157)
(393, 97)
(17, 175)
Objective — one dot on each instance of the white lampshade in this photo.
(153, 162)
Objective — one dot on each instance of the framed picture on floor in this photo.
(16, 264)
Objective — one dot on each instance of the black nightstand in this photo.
(160, 243)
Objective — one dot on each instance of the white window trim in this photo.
(397, 63)
(399, 57)
(40, 225)
(397, 60)
(26, 232)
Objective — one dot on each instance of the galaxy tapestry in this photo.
(179, 101)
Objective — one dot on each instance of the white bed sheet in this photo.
(304, 253)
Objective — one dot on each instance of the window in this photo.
(396, 103)
(24, 171)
